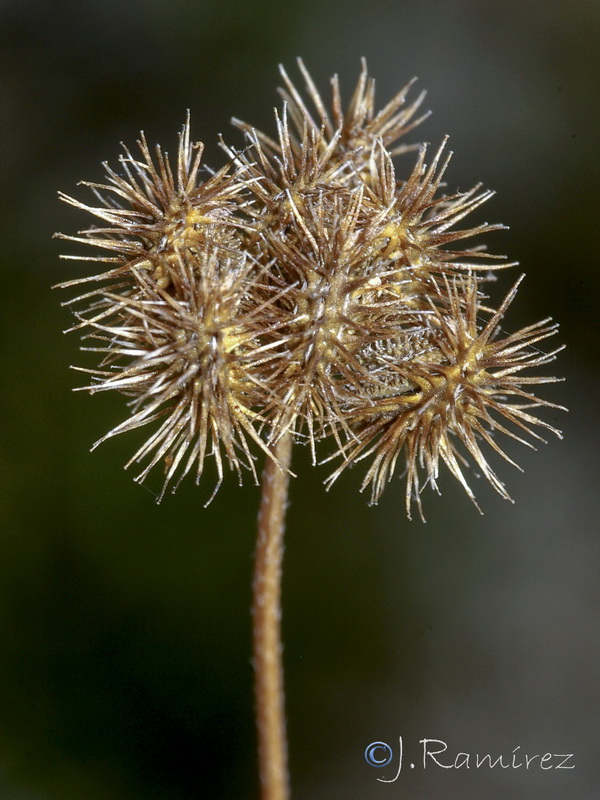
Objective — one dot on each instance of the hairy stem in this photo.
(266, 612)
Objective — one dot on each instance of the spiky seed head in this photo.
(153, 213)
(172, 319)
(463, 387)
(305, 290)
(347, 137)
(182, 359)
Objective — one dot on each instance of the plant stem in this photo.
(266, 613)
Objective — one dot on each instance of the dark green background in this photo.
(124, 627)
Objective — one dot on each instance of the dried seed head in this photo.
(175, 323)
(156, 215)
(183, 361)
(303, 289)
(463, 387)
(336, 137)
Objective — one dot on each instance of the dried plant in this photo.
(303, 293)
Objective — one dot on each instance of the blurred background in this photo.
(125, 627)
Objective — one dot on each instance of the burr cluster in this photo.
(306, 290)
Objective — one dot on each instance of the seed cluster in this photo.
(305, 290)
